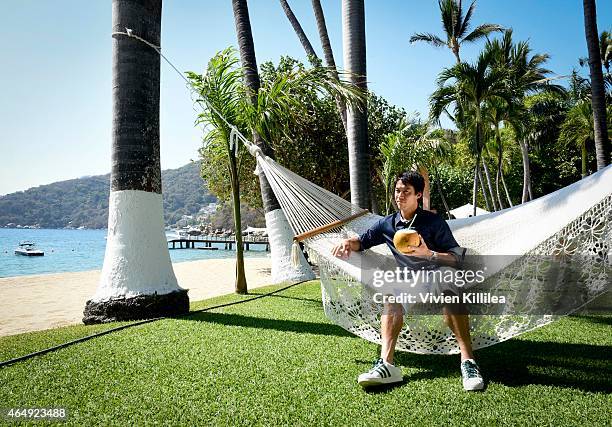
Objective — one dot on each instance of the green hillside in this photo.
(83, 202)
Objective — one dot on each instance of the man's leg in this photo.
(470, 372)
(391, 323)
(460, 325)
(383, 371)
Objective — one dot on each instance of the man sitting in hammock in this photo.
(438, 245)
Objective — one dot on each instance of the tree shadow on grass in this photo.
(273, 324)
(604, 320)
(516, 363)
(317, 302)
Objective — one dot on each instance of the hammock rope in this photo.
(573, 221)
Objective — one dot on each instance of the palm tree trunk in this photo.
(137, 279)
(374, 207)
(506, 189)
(279, 231)
(475, 187)
(526, 171)
(438, 185)
(529, 188)
(598, 93)
(497, 179)
(583, 158)
(486, 171)
(241, 283)
(427, 189)
(328, 54)
(312, 55)
(455, 49)
(483, 189)
(499, 166)
(354, 46)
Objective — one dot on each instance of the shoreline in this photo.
(174, 264)
(43, 301)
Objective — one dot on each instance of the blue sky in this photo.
(55, 78)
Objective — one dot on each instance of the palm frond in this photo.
(448, 14)
(465, 24)
(482, 31)
(428, 38)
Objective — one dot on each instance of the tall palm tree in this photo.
(137, 279)
(325, 43)
(310, 52)
(466, 88)
(598, 93)
(354, 48)
(328, 53)
(456, 28)
(279, 232)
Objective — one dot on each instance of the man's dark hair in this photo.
(412, 178)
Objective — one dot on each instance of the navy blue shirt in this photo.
(434, 230)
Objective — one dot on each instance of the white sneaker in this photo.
(381, 373)
(472, 378)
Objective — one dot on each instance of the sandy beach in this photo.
(44, 301)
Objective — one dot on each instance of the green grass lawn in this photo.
(278, 360)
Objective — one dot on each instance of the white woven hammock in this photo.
(575, 220)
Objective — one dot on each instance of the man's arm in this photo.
(372, 237)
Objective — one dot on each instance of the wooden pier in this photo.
(189, 242)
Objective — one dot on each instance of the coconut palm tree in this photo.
(354, 48)
(456, 28)
(598, 93)
(466, 88)
(137, 279)
(279, 232)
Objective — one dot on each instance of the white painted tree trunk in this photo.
(281, 242)
(136, 261)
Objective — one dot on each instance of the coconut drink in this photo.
(405, 239)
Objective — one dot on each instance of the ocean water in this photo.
(80, 250)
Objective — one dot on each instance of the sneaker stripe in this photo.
(381, 371)
(386, 370)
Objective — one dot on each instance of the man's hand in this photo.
(343, 249)
(421, 251)
(443, 258)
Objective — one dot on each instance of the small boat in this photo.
(28, 249)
